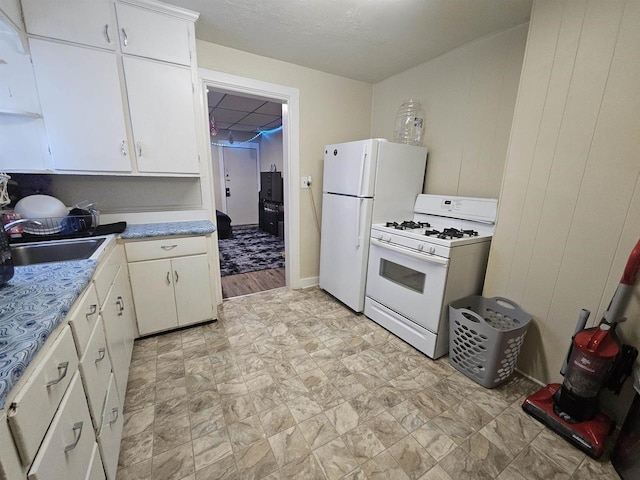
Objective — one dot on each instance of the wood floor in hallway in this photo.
(252, 282)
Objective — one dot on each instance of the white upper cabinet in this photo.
(89, 22)
(82, 107)
(162, 116)
(147, 33)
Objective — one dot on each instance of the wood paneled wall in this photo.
(569, 210)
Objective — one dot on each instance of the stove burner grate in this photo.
(451, 233)
(408, 225)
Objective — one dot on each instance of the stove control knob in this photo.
(432, 250)
(420, 247)
(379, 237)
(388, 239)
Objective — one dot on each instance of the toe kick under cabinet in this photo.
(170, 280)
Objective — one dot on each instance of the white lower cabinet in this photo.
(110, 432)
(171, 292)
(67, 448)
(96, 470)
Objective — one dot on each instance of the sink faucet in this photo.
(22, 220)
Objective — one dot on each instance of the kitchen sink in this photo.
(54, 251)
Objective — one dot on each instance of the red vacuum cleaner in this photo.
(596, 360)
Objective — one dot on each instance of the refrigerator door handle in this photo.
(358, 223)
(362, 165)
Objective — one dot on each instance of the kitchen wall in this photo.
(332, 109)
(469, 95)
(570, 198)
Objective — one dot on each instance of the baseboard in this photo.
(534, 380)
(309, 282)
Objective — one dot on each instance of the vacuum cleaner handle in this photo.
(582, 322)
(633, 265)
(623, 291)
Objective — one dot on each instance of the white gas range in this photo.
(417, 267)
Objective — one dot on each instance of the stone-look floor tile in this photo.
(493, 459)
(292, 388)
(174, 357)
(459, 464)
(245, 432)
(171, 434)
(211, 449)
(559, 450)
(170, 389)
(170, 409)
(140, 394)
(335, 459)
(489, 402)
(233, 386)
(327, 396)
(436, 473)
(387, 429)
(343, 417)
(456, 428)
(335, 370)
(434, 440)
(200, 380)
(276, 420)
(357, 474)
(137, 421)
(170, 372)
(303, 407)
(224, 469)
(138, 471)
(205, 422)
(363, 443)
(305, 468)
(168, 346)
(533, 464)
(384, 466)
(428, 403)
(144, 368)
(318, 430)
(521, 423)
(175, 463)
(267, 398)
(195, 350)
(408, 415)
(288, 446)
(367, 405)
(203, 400)
(412, 457)
(322, 356)
(303, 363)
(314, 378)
(591, 469)
(473, 415)
(349, 386)
(237, 407)
(135, 448)
(504, 438)
(256, 462)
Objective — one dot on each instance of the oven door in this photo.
(409, 282)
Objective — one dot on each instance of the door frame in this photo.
(289, 97)
(223, 185)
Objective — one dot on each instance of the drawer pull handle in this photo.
(139, 148)
(106, 32)
(102, 353)
(123, 150)
(62, 372)
(125, 38)
(77, 427)
(175, 273)
(92, 310)
(120, 306)
(168, 278)
(168, 247)
(114, 412)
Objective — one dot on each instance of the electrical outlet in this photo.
(305, 181)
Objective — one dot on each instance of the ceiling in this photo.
(242, 114)
(367, 40)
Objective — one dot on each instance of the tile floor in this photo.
(291, 384)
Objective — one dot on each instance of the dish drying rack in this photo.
(82, 218)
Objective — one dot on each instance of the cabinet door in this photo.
(111, 431)
(66, 449)
(89, 22)
(114, 333)
(82, 106)
(152, 285)
(162, 116)
(125, 309)
(153, 35)
(193, 289)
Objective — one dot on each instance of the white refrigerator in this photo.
(364, 182)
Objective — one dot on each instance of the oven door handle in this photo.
(405, 251)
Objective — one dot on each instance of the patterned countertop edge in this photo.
(32, 304)
(149, 230)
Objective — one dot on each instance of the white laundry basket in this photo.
(486, 335)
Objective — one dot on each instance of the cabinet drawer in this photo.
(169, 247)
(95, 368)
(34, 406)
(107, 272)
(111, 431)
(83, 319)
(66, 449)
(96, 471)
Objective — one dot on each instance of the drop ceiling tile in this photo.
(223, 126)
(244, 128)
(270, 108)
(257, 119)
(275, 124)
(214, 98)
(228, 116)
(244, 104)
